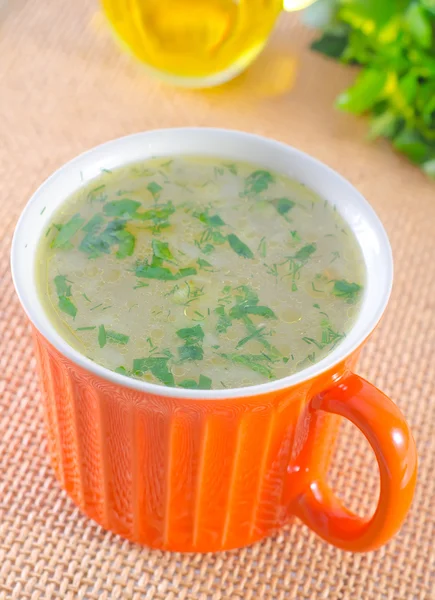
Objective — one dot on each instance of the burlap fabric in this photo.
(64, 87)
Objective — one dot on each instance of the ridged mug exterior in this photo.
(175, 473)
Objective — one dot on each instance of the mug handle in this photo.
(386, 430)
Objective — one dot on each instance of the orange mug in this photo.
(195, 470)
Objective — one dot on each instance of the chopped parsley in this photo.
(239, 247)
(348, 291)
(66, 232)
(193, 338)
(258, 182)
(63, 291)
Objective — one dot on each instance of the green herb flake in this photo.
(117, 338)
(257, 182)
(154, 188)
(224, 321)
(255, 362)
(349, 291)
(305, 252)
(102, 336)
(97, 194)
(161, 250)
(158, 365)
(188, 384)
(141, 284)
(62, 287)
(190, 353)
(204, 264)
(121, 208)
(210, 220)
(283, 205)
(86, 328)
(193, 338)
(67, 306)
(239, 247)
(191, 335)
(122, 371)
(204, 383)
(63, 291)
(66, 232)
(262, 247)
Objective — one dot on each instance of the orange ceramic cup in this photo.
(192, 470)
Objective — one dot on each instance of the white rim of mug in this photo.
(81, 170)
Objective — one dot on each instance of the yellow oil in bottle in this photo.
(195, 42)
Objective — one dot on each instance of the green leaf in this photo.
(419, 25)
(364, 93)
(66, 232)
(162, 213)
(122, 371)
(191, 353)
(161, 250)
(94, 224)
(121, 208)
(369, 14)
(191, 335)
(204, 264)
(149, 272)
(62, 287)
(239, 247)
(204, 383)
(262, 311)
(208, 249)
(258, 181)
(210, 220)
(67, 306)
(255, 362)
(239, 310)
(330, 44)
(305, 252)
(102, 336)
(188, 384)
(253, 335)
(96, 242)
(248, 295)
(429, 5)
(224, 321)
(154, 188)
(347, 290)
(118, 338)
(97, 194)
(320, 14)
(186, 272)
(384, 125)
(410, 142)
(127, 243)
(158, 365)
(283, 205)
(232, 167)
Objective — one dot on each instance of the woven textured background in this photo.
(64, 87)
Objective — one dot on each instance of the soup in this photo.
(200, 273)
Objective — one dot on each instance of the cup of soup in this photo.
(198, 300)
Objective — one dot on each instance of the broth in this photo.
(200, 273)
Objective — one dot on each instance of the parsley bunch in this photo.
(394, 43)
